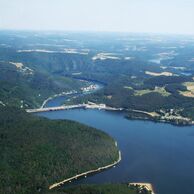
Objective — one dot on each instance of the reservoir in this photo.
(158, 153)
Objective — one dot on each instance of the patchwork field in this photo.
(190, 89)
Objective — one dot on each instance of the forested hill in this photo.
(37, 152)
(23, 87)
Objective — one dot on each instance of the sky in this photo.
(155, 16)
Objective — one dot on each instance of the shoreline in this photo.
(65, 94)
(86, 173)
(159, 119)
(147, 186)
(62, 94)
(107, 108)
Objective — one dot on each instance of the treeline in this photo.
(164, 80)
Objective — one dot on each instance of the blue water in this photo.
(159, 153)
(57, 102)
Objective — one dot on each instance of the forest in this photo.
(36, 152)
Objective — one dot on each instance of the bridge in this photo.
(56, 108)
(67, 107)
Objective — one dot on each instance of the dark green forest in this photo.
(37, 152)
(105, 189)
(30, 90)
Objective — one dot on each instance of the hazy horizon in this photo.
(131, 16)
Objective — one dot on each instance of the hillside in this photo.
(23, 87)
(133, 68)
(37, 152)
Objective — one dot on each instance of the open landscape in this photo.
(96, 97)
(31, 84)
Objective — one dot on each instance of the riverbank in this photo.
(92, 87)
(142, 186)
(162, 117)
(86, 173)
(57, 95)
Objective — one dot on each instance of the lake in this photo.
(158, 153)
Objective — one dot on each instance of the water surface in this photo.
(159, 153)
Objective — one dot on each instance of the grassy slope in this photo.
(37, 152)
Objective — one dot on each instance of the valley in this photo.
(130, 87)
